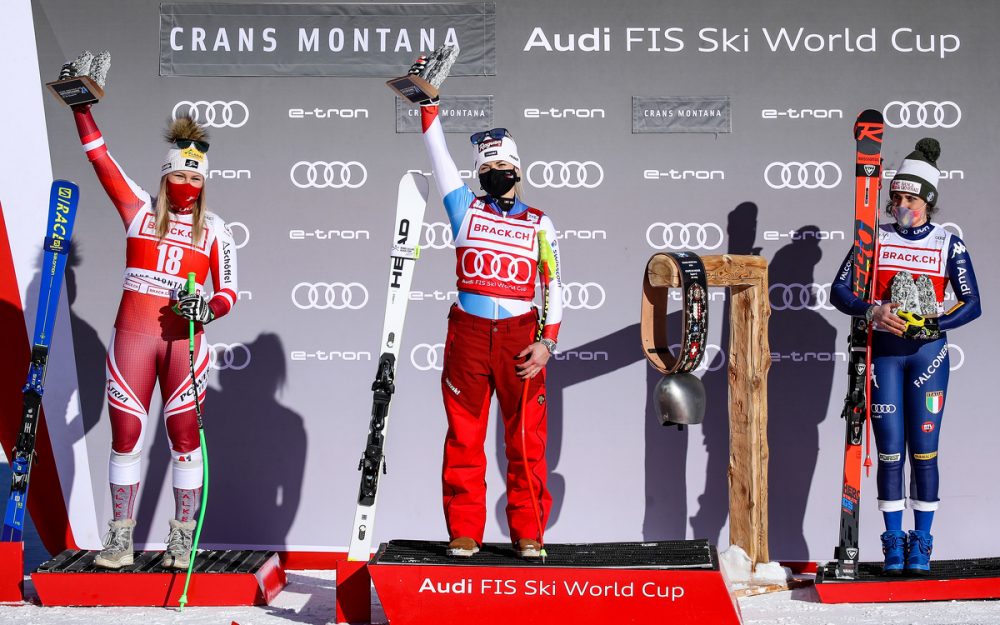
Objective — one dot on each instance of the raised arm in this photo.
(455, 193)
(125, 194)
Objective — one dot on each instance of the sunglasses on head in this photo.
(186, 143)
(492, 133)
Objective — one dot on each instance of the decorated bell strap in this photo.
(689, 270)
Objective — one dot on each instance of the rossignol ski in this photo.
(410, 206)
(63, 201)
(868, 171)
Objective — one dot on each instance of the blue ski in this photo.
(63, 201)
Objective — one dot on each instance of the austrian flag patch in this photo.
(935, 401)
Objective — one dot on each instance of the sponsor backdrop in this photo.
(643, 126)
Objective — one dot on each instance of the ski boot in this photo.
(117, 551)
(462, 548)
(529, 548)
(179, 543)
(918, 552)
(894, 548)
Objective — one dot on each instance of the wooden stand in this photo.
(749, 361)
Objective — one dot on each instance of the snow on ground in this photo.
(309, 600)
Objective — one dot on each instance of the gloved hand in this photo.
(919, 327)
(193, 307)
(415, 70)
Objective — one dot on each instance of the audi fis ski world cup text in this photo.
(778, 39)
(545, 588)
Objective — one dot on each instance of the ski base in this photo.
(948, 580)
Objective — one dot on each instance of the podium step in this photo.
(220, 578)
(947, 580)
(670, 581)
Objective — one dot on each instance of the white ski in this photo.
(410, 206)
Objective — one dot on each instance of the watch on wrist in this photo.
(870, 313)
(549, 344)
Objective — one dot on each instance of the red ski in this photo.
(868, 170)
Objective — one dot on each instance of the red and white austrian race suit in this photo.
(497, 265)
(150, 341)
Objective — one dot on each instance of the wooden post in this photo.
(749, 362)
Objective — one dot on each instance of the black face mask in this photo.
(496, 182)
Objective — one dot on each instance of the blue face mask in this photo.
(906, 217)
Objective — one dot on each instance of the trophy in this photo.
(426, 76)
(914, 295)
(82, 80)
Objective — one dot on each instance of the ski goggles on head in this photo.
(492, 133)
(202, 146)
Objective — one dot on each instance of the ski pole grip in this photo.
(191, 287)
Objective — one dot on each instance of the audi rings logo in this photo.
(806, 175)
(583, 295)
(797, 296)
(437, 236)
(329, 295)
(883, 408)
(332, 175)
(565, 175)
(427, 357)
(913, 114)
(488, 265)
(214, 114)
(956, 357)
(233, 356)
(239, 241)
(678, 236)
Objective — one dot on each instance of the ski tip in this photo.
(60, 183)
(415, 181)
(870, 116)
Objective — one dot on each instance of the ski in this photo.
(63, 201)
(868, 171)
(412, 200)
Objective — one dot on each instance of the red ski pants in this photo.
(479, 360)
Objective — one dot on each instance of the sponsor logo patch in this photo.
(889, 457)
(927, 426)
(929, 456)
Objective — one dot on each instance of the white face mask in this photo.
(906, 217)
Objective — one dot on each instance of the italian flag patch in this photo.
(935, 401)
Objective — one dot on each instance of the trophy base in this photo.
(76, 91)
(413, 88)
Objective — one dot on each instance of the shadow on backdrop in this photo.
(665, 448)
(90, 351)
(257, 456)
(802, 344)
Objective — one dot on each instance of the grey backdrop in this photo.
(286, 426)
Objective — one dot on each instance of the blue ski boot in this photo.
(894, 548)
(918, 552)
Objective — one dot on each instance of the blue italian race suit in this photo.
(910, 376)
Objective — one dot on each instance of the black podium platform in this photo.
(947, 580)
(220, 578)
